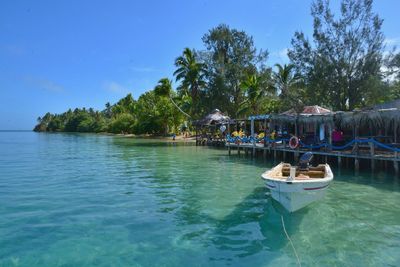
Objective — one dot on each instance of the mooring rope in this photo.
(290, 240)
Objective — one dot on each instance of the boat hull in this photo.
(297, 194)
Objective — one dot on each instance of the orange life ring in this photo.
(293, 142)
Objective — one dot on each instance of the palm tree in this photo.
(192, 74)
(252, 87)
(164, 89)
(286, 82)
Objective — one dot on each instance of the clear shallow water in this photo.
(88, 200)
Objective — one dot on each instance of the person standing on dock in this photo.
(337, 137)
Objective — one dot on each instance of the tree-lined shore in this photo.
(344, 65)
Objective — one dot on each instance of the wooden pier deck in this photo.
(369, 153)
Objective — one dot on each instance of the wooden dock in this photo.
(354, 155)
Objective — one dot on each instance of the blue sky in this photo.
(56, 55)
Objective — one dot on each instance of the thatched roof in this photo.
(388, 105)
(308, 111)
(375, 118)
(215, 117)
(310, 114)
(378, 116)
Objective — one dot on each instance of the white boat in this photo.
(296, 187)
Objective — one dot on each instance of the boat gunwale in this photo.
(327, 178)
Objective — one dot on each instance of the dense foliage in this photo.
(344, 66)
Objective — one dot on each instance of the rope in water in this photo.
(291, 243)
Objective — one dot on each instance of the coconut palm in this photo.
(191, 73)
(164, 89)
(287, 84)
(252, 87)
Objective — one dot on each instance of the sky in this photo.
(56, 55)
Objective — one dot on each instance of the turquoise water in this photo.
(90, 200)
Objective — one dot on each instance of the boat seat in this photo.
(313, 172)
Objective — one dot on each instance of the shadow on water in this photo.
(252, 232)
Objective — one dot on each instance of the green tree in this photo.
(122, 123)
(164, 89)
(345, 54)
(231, 57)
(288, 85)
(254, 94)
(191, 73)
(157, 115)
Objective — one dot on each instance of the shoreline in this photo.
(178, 138)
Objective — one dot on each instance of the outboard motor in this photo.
(304, 162)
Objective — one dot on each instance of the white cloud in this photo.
(115, 87)
(44, 84)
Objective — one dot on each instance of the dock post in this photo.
(229, 149)
(339, 161)
(238, 148)
(253, 142)
(356, 164)
(396, 167)
(264, 153)
(274, 154)
(326, 159)
(372, 151)
(296, 156)
(246, 151)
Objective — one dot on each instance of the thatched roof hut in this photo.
(378, 116)
(310, 114)
(214, 118)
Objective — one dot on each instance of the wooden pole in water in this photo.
(252, 135)
(284, 152)
(372, 153)
(226, 141)
(339, 158)
(356, 164)
(396, 167)
(236, 129)
(330, 136)
(196, 137)
(395, 162)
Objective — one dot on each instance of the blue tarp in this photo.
(259, 117)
